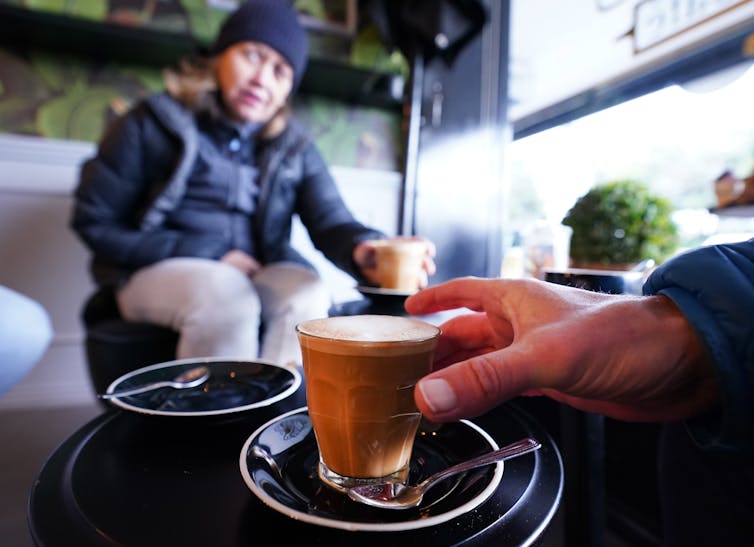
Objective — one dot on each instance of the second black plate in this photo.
(233, 386)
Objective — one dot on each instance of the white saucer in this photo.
(278, 463)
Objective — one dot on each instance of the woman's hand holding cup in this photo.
(401, 263)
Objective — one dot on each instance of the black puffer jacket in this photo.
(139, 176)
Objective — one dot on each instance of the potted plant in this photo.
(619, 224)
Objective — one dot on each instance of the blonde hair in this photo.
(193, 83)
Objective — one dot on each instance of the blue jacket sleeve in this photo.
(714, 288)
(331, 225)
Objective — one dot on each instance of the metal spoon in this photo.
(188, 378)
(400, 496)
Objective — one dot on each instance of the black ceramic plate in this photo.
(371, 292)
(233, 386)
(279, 464)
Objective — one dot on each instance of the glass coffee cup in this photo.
(400, 263)
(360, 375)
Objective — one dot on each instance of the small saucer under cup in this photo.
(292, 486)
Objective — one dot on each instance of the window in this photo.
(677, 140)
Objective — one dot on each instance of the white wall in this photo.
(41, 257)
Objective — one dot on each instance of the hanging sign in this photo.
(658, 20)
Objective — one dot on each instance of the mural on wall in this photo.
(336, 30)
(63, 97)
(197, 18)
(368, 138)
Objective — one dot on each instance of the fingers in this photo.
(429, 266)
(465, 335)
(242, 261)
(428, 263)
(364, 255)
(429, 260)
(468, 292)
(487, 370)
(472, 387)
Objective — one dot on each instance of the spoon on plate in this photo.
(400, 496)
(192, 377)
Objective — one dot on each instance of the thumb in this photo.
(472, 387)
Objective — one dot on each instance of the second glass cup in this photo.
(400, 263)
(360, 375)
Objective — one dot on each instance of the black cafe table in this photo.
(127, 478)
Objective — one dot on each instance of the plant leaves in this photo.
(59, 73)
(204, 21)
(621, 222)
(369, 52)
(315, 8)
(20, 79)
(79, 115)
(88, 9)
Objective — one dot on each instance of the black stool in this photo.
(115, 346)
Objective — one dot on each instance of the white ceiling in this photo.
(560, 49)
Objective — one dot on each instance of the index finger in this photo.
(466, 292)
(466, 334)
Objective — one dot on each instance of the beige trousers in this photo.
(218, 311)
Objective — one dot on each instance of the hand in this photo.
(364, 255)
(243, 261)
(628, 357)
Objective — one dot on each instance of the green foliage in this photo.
(79, 113)
(86, 9)
(621, 222)
(63, 97)
(144, 79)
(205, 21)
(57, 74)
(368, 51)
(315, 8)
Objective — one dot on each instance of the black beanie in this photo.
(271, 22)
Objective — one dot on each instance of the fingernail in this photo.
(438, 395)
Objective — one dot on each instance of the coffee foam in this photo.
(369, 328)
(401, 246)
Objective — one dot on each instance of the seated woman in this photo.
(25, 334)
(187, 206)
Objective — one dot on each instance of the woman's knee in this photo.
(315, 298)
(285, 288)
(215, 280)
(183, 283)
